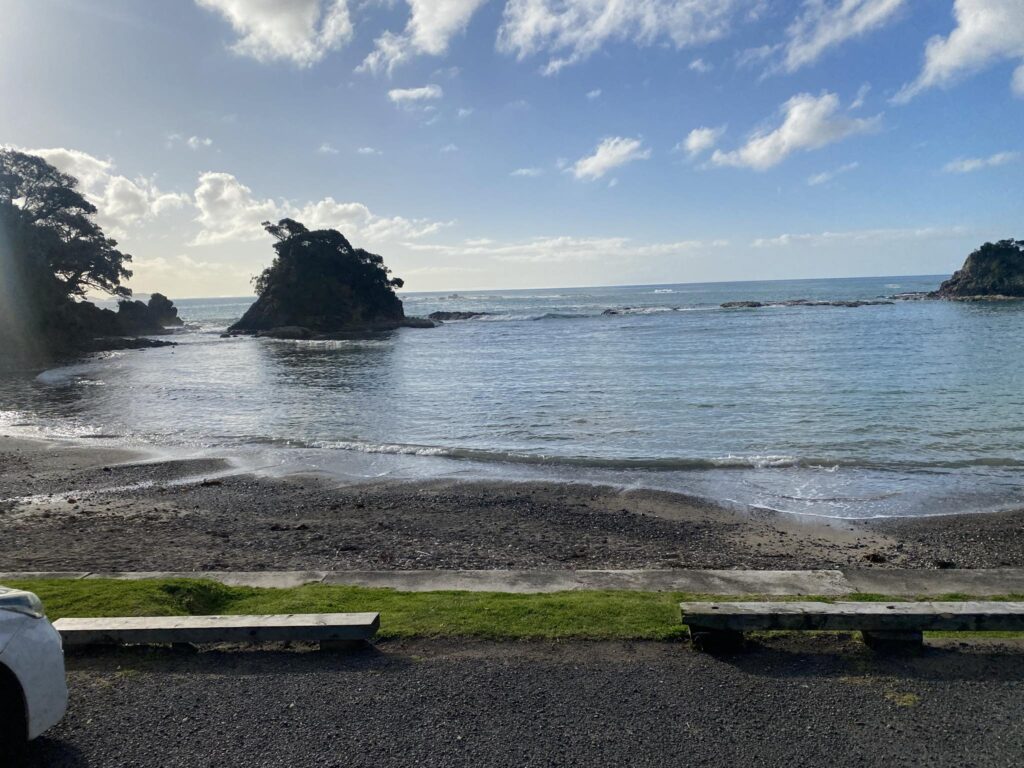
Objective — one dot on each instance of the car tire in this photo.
(13, 724)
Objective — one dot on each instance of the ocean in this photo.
(913, 408)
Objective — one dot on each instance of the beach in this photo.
(73, 506)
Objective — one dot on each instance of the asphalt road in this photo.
(816, 702)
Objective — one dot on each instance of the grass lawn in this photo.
(485, 615)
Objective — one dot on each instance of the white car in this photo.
(33, 691)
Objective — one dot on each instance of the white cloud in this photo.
(823, 26)
(610, 153)
(970, 164)
(809, 122)
(570, 31)
(327, 149)
(700, 140)
(198, 142)
(594, 94)
(121, 202)
(432, 24)
(464, 112)
(527, 172)
(987, 31)
(551, 250)
(826, 176)
(449, 148)
(299, 31)
(861, 97)
(861, 235)
(699, 65)
(369, 151)
(228, 211)
(415, 95)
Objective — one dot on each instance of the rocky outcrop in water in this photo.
(443, 317)
(804, 303)
(163, 311)
(994, 271)
(319, 286)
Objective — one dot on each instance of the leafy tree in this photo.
(70, 243)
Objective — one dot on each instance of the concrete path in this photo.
(889, 581)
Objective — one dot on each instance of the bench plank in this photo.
(309, 627)
(978, 616)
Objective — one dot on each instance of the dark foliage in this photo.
(52, 253)
(994, 269)
(320, 282)
(74, 246)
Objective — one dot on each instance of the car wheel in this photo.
(13, 726)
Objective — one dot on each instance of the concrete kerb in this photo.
(831, 583)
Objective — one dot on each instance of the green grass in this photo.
(485, 615)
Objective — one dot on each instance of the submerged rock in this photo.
(446, 316)
(805, 303)
(993, 272)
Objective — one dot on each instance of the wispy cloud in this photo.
(415, 95)
(701, 140)
(570, 31)
(823, 26)
(971, 164)
(826, 176)
(860, 235)
(527, 172)
(611, 153)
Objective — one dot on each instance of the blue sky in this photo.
(531, 143)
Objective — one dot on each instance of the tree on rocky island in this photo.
(52, 253)
(993, 270)
(319, 284)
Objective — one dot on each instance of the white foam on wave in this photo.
(68, 373)
(396, 449)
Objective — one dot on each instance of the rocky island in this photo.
(995, 271)
(320, 287)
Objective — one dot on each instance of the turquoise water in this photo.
(905, 409)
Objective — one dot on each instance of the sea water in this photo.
(911, 408)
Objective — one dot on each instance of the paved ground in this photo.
(843, 581)
(801, 701)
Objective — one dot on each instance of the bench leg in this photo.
(343, 646)
(898, 641)
(716, 640)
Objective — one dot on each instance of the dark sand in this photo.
(67, 508)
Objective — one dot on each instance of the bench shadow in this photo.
(47, 752)
(224, 659)
(842, 657)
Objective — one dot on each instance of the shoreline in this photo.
(78, 507)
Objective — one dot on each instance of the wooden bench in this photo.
(884, 625)
(330, 630)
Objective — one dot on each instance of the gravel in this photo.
(94, 509)
(800, 702)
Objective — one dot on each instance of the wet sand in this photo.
(80, 507)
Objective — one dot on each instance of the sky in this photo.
(530, 143)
